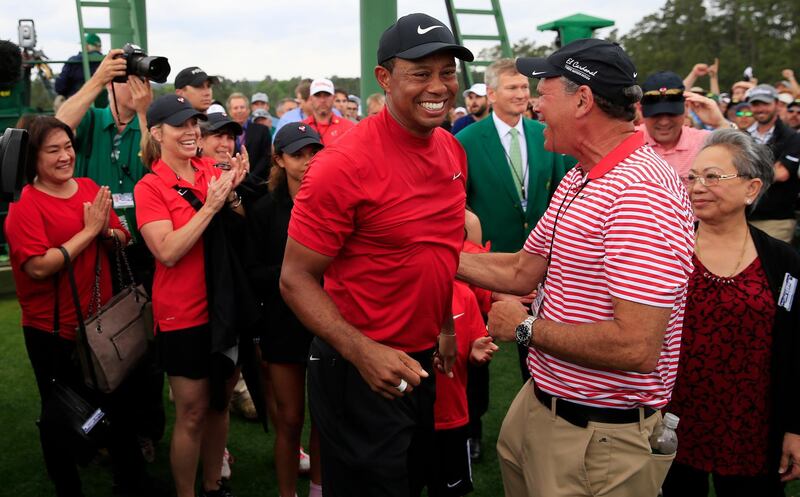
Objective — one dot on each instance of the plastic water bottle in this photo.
(664, 440)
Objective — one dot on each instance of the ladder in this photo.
(128, 31)
(502, 36)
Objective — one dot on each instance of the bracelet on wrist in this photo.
(235, 201)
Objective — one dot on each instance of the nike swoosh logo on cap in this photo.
(536, 73)
(451, 485)
(422, 31)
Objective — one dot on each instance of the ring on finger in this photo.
(402, 386)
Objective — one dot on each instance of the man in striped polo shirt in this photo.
(611, 258)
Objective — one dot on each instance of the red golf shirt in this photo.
(331, 131)
(388, 206)
(38, 222)
(179, 292)
(451, 410)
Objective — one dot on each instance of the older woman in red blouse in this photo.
(736, 390)
(57, 210)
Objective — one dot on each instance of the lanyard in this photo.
(555, 221)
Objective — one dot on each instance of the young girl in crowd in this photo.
(284, 341)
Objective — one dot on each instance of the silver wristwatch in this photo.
(524, 332)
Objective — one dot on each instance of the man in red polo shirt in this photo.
(329, 126)
(380, 215)
(611, 257)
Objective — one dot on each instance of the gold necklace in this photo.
(738, 262)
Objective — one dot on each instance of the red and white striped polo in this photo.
(624, 230)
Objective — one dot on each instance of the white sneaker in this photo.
(227, 459)
(305, 462)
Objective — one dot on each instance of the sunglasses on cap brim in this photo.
(662, 95)
(744, 113)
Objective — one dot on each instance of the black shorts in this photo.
(185, 352)
(369, 445)
(450, 468)
(286, 346)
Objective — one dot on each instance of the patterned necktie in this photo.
(515, 155)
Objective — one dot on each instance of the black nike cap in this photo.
(599, 64)
(415, 36)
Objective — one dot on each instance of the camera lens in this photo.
(153, 68)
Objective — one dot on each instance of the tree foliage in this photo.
(742, 33)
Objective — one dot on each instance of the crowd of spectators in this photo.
(633, 236)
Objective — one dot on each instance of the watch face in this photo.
(523, 334)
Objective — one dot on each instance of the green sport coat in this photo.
(492, 190)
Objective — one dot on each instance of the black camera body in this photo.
(140, 64)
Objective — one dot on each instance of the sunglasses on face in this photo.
(662, 95)
(744, 113)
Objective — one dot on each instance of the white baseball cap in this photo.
(477, 88)
(320, 85)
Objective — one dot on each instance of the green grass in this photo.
(22, 470)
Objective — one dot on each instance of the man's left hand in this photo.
(445, 355)
(706, 109)
(790, 457)
(504, 318)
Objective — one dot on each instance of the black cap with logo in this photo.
(601, 65)
(220, 121)
(418, 35)
(663, 94)
(294, 136)
(193, 76)
(171, 109)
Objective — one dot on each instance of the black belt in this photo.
(580, 415)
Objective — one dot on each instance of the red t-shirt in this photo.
(179, 292)
(388, 206)
(333, 130)
(38, 222)
(450, 410)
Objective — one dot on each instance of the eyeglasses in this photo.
(710, 179)
(662, 95)
(744, 113)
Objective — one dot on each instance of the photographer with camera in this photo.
(107, 145)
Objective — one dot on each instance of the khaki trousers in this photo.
(541, 455)
(782, 229)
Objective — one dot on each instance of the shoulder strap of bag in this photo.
(189, 196)
(56, 326)
(121, 257)
(56, 309)
(82, 340)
